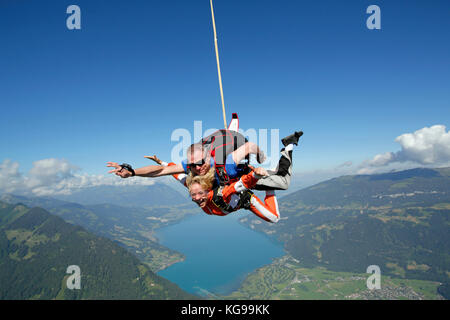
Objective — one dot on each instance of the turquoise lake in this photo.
(220, 252)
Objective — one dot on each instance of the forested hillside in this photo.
(36, 248)
(399, 221)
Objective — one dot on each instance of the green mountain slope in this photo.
(398, 221)
(36, 248)
(421, 186)
(131, 227)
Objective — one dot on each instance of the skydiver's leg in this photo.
(267, 210)
(281, 179)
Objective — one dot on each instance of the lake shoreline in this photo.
(220, 253)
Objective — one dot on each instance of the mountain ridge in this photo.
(36, 248)
(399, 221)
(132, 227)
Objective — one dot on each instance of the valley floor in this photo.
(287, 279)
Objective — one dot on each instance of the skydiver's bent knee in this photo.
(267, 211)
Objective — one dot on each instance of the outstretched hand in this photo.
(260, 171)
(260, 157)
(154, 158)
(118, 171)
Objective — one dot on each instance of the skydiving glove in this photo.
(129, 168)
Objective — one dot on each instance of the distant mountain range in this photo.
(417, 185)
(399, 221)
(36, 248)
(158, 194)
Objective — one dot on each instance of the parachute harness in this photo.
(244, 200)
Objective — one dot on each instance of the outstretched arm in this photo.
(181, 177)
(147, 171)
(248, 148)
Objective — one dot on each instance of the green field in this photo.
(287, 279)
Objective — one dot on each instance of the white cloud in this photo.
(56, 176)
(345, 164)
(425, 146)
(49, 172)
(429, 146)
(381, 159)
(10, 177)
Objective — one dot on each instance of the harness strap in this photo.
(221, 172)
(244, 200)
(218, 201)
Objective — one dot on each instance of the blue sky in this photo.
(137, 70)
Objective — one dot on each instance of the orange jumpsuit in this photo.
(267, 210)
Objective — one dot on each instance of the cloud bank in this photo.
(428, 147)
(55, 176)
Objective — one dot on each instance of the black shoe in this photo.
(293, 138)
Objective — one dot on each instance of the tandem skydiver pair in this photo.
(219, 177)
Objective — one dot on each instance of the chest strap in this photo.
(219, 202)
